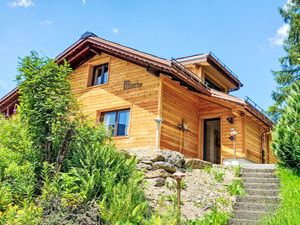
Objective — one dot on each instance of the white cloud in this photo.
(281, 34)
(21, 3)
(83, 2)
(115, 30)
(47, 23)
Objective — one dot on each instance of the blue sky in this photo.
(246, 35)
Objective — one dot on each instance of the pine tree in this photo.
(286, 136)
(290, 64)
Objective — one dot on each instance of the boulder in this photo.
(143, 166)
(196, 163)
(156, 182)
(164, 165)
(157, 173)
(173, 157)
(146, 154)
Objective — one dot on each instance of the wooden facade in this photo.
(151, 87)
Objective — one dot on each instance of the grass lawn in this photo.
(289, 211)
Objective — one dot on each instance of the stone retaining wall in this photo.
(159, 164)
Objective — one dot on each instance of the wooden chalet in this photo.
(180, 104)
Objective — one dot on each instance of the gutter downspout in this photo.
(262, 141)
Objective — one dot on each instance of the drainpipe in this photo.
(262, 145)
(158, 122)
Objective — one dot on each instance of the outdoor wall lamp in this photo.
(230, 119)
(183, 126)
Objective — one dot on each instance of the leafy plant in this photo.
(218, 174)
(215, 217)
(47, 105)
(237, 171)
(207, 169)
(236, 187)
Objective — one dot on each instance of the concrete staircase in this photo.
(262, 188)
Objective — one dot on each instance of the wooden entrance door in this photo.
(212, 141)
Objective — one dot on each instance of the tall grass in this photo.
(289, 211)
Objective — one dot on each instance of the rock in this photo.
(143, 166)
(156, 182)
(196, 163)
(157, 173)
(164, 165)
(170, 182)
(146, 154)
(147, 162)
(173, 157)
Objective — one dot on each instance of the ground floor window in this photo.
(117, 122)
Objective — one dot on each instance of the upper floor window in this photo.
(116, 121)
(100, 75)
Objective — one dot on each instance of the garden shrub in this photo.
(286, 136)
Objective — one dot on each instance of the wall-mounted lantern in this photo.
(183, 126)
(232, 137)
(230, 119)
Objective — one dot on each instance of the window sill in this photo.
(96, 86)
(121, 137)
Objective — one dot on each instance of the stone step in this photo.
(236, 221)
(250, 215)
(245, 170)
(258, 199)
(258, 175)
(261, 185)
(255, 206)
(262, 192)
(261, 180)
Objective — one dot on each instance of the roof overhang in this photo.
(211, 60)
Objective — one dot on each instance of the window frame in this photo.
(93, 77)
(117, 111)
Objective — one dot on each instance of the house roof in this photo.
(90, 45)
(215, 62)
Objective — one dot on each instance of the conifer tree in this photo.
(286, 136)
(290, 64)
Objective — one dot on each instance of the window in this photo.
(116, 121)
(100, 75)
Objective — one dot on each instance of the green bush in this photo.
(21, 181)
(286, 136)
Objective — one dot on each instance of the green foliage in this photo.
(290, 63)
(288, 212)
(286, 136)
(236, 187)
(215, 217)
(237, 171)
(20, 181)
(112, 208)
(46, 103)
(218, 174)
(15, 146)
(207, 169)
(30, 214)
(168, 218)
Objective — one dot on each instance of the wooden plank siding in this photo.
(179, 104)
(143, 101)
(253, 132)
